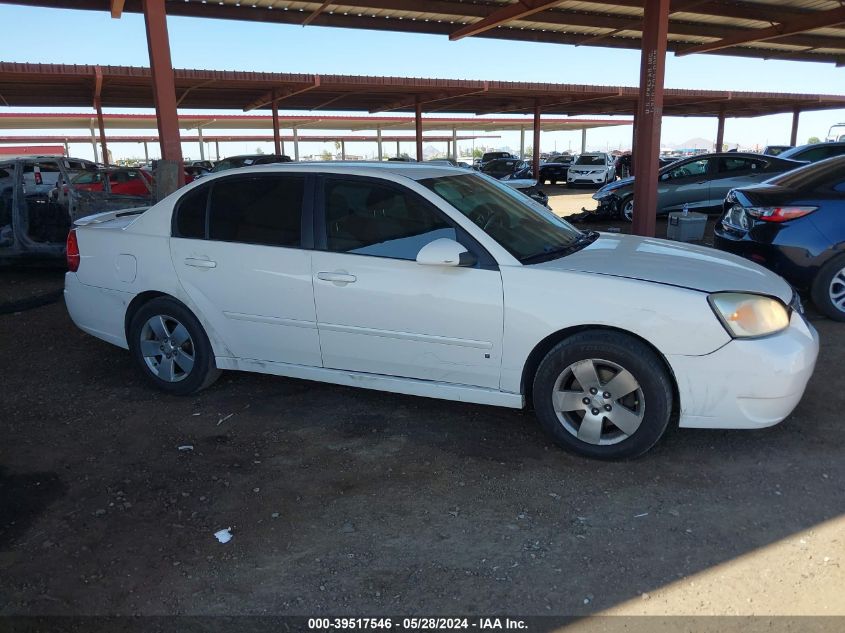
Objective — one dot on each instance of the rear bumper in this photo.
(747, 384)
(98, 311)
(798, 266)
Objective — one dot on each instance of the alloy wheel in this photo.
(836, 290)
(598, 401)
(167, 348)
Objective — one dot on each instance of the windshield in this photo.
(590, 160)
(812, 175)
(526, 229)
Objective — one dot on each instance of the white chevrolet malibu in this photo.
(440, 282)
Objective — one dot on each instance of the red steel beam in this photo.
(418, 131)
(720, 132)
(98, 105)
(649, 115)
(164, 87)
(315, 14)
(117, 8)
(277, 140)
(817, 20)
(515, 11)
(535, 159)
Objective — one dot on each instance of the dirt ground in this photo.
(345, 501)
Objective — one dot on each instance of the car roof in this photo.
(802, 148)
(414, 171)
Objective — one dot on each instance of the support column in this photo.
(94, 142)
(720, 132)
(649, 115)
(295, 144)
(343, 150)
(418, 130)
(102, 126)
(202, 148)
(378, 139)
(67, 149)
(277, 137)
(448, 149)
(793, 139)
(522, 143)
(454, 143)
(216, 150)
(535, 161)
(146, 153)
(583, 140)
(164, 93)
(397, 149)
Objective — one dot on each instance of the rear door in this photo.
(732, 172)
(240, 248)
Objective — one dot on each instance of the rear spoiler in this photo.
(106, 216)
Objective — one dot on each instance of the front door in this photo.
(238, 251)
(379, 311)
(687, 183)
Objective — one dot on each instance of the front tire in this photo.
(828, 289)
(603, 394)
(626, 208)
(171, 348)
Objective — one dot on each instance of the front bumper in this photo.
(596, 178)
(747, 384)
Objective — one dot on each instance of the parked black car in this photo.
(814, 152)
(508, 169)
(247, 160)
(776, 150)
(794, 224)
(490, 156)
(555, 169)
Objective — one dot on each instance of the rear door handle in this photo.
(338, 278)
(200, 263)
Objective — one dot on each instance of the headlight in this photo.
(747, 315)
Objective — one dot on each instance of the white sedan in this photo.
(440, 282)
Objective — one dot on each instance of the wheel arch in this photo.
(139, 300)
(532, 363)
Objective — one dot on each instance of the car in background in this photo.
(33, 222)
(776, 150)
(121, 181)
(554, 170)
(205, 164)
(446, 283)
(814, 152)
(486, 157)
(195, 171)
(700, 182)
(794, 224)
(508, 169)
(247, 160)
(450, 162)
(591, 168)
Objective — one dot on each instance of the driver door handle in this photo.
(337, 278)
(200, 263)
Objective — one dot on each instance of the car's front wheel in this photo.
(603, 394)
(626, 208)
(829, 289)
(171, 348)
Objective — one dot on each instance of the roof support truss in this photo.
(515, 11)
(275, 96)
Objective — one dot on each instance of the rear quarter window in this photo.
(190, 213)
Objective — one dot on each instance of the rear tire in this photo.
(171, 348)
(626, 208)
(828, 289)
(604, 395)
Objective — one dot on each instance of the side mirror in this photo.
(664, 177)
(445, 252)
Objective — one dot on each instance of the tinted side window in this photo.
(693, 168)
(190, 214)
(738, 164)
(368, 218)
(257, 210)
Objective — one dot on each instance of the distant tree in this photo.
(478, 152)
(529, 151)
(326, 155)
(258, 150)
(814, 139)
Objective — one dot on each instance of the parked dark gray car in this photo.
(700, 181)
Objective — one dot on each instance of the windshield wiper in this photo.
(586, 238)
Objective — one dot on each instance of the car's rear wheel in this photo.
(171, 348)
(604, 395)
(626, 208)
(829, 289)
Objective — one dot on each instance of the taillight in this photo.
(72, 252)
(778, 214)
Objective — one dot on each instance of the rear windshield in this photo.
(812, 176)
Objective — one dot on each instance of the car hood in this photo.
(672, 263)
(521, 183)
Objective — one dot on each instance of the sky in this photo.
(91, 37)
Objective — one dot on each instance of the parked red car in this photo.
(125, 181)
